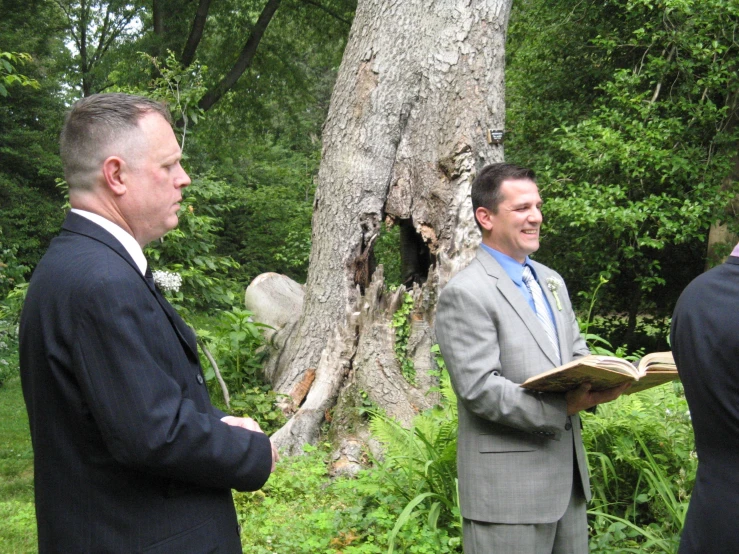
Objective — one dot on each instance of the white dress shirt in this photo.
(126, 240)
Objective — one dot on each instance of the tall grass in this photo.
(17, 515)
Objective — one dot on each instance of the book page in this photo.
(616, 364)
(657, 361)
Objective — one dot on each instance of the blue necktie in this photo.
(542, 312)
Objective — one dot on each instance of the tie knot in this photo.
(527, 275)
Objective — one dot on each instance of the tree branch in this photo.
(214, 365)
(328, 11)
(196, 33)
(158, 17)
(659, 85)
(245, 58)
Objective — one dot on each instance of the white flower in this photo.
(167, 281)
(553, 285)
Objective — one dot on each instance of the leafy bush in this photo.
(301, 510)
(10, 312)
(190, 249)
(420, 465)
(387, 253)
(236, 343)
(642, 461)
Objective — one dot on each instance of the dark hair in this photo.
(95, 124)
(486, 186)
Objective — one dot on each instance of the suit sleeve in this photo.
(468, 339)
(134, 378)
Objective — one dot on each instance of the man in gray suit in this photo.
(523, 477)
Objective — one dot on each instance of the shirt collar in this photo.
(735, 252)
(512, 267)
(128, 242)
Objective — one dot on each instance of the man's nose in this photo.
(184, 179)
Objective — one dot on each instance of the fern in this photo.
(420, 463)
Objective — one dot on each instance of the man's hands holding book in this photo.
(583, 398)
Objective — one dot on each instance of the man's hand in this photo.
(275, 455)
(581, 398)
(251, 425)
(243, 422)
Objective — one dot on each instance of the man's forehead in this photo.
(520, 190)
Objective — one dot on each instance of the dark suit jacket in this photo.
(705, 342)
(129, 453)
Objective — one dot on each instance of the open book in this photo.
(604, 372)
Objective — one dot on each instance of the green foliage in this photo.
(191, 249)
(420, 465)
(258, 403)
(627, 109)
(9, 75)
(236, 343)
(180, 88)
(12, 272)
(29, 121)
(17, 515)
(270, 230)
(10, 313)
(402, 324)
(642, 462)
(301, 510)
(387, 253)
(596, 342)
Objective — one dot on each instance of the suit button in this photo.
(568, 425)
(200, 380)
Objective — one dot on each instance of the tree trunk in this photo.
(420, 85)
(720, 238)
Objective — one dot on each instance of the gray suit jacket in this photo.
(517, 449)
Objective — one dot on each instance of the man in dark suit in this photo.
(523, 476)
(705, 343)
(129, 453)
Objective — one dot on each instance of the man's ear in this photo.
(114, 173)
(484, 218)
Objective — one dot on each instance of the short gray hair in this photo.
(94, 125)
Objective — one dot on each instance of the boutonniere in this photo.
(553, 285)
(167, 281)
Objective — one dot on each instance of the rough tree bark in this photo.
(420, 85)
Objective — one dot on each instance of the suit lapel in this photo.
(75, 223)
(513, 296)
(184, 332)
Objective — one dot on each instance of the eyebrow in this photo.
(173, 158)
(524, 204)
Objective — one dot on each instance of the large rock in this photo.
(277, 301)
